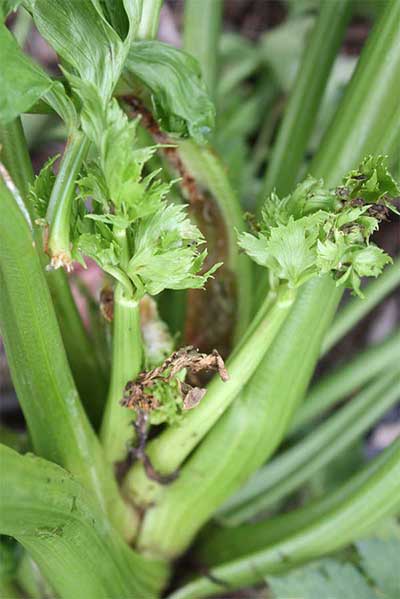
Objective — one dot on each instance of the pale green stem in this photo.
(15, 157)
(62, 196)
(345, 379)
(201, 29)
(302, 109)
(149, 20)
(168, 451)
(376, 498)
(299, 463)
(117, 431)
(356, 308)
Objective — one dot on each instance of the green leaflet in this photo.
(380, 559)
(178, 94)
(329, 578)
(40, 190)
(165, 254)
(378, 577)
(82, 37)
(161, 247)
(22, 82)
(315, 231)
(372, 180)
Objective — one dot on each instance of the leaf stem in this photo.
(57, 423)
(15, 156)
(117, 432)
(299, 463)
(356, 309)
(201, 29)
(62, 196)
(302, 108)
(149, 20)
(61, 527)
(226, 543)
(338, 384)
(376, 498)
(168, 451)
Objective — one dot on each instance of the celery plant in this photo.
(128, 467)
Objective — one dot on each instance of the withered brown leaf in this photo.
(138, 394)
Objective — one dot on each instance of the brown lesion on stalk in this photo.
(211, 312)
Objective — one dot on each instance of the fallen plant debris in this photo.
(146, 397)
(144, 393)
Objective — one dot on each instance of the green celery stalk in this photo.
(60, 205)
(219, 544)
(245, 435)
(376, 498)
(15, 157)
(169, 450)
(58, 426)
(356, 308)
(209, 172)
(295, 466)
(364, 118)
(201, 29)
(55, 518)
(302, 108)
(88, 375)
(346, 378)
(117, 431)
